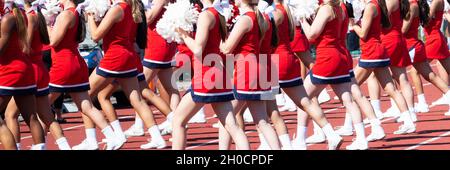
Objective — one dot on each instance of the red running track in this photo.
(433, 128)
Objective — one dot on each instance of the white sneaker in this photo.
(421, 108)
(335, 143)
(359, 144)
(86, 145)
(323, 96)
(163, 125)
(264, 147)
(403, 129)
(279, 98)
(316, 138)
(287, 108)
(134, 131)
(447, 113)
(114, 145)
(248, 118)
(166, 131)
(345, 131)
(199, 117)
(154, 144)
(366, 121)
(392, 112)
(296, 145)
(216, 125)
(440, 101)
(413, 116)
(379, 114)
(377, 134)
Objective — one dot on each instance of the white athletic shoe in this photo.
(359, 144)
(264, 147)
(345, 131)
(366, 121)
(335, 142)
(316, 138)
(403, 129)
(166, 131)
(296, 145)
(163, 125)
(288, 108)
(86, 145)
(216, 125)
(134, 131)
(154, 144)
(379, 114)
(441, 101)
(377, 134)
(199, 117)
(247, 116)
(323, 96)
(413, 116)
(279, 98)
(114, 145)
(447, 113)
(392, 112)
(421, 108)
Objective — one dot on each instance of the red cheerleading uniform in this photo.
(41, 74)
(69, 72)
(16, 70)
(343, 39)
(394, 42)
(330, 57)
(211, 83)
(373, 53)
(137, 58)
(266, 49)
(300, 42)
(436, 43)
(288, 63)
(119, 60)
(159, 53)
(416, 47)
(247, 71)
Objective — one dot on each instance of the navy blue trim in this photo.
(374, 64)
(316, 80)
(30, 91)
(122, 75)
(141, 77)
(69, 89)
(295, 83)
(210, 99)
(253, 97)
(152, 65)
(42, 93)
(352, 74)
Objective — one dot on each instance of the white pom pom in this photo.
(303, 9)
(446, 6)
(181, 14)
(147, 4)
(51, 10)
(358, 8)
(98, 8)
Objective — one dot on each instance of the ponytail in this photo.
(223, 28)
(136, 10)
(424, 12)
(141, 32)
(404, 9)
(275, 36)
(42, 27)
(263, 25)
(21, 26)
(290, 21)
(81, 29)
(385, 22)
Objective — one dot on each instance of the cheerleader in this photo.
(211, 29)
(159, 59)
(17, 75)
(37, 36)
(374, 58)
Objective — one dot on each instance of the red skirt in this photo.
(69, 72)
(436, 46)
(397, 51)
(159, 54)
(16, 76)
(41, 76)
(328, 67)
(416, 51)
(300, 42)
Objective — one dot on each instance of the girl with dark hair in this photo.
(374, 58)
(37, 36)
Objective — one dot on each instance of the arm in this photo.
(278, 17)
(434, 7)
(204, 24)
(30, 28)
(366, 21)
(243, 25)
(151, 14)
(414, 12)
(7, 23)
(315, 29)
(114, 15)
(392, 5)
(59, 30)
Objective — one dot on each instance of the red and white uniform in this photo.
(41, 74)
(16, 70)
(373, 53)
(330, 57)
(288, 64)
(69, 72)
(416, 47)
(247, 71)
(394, 42)
(210, 83)
(119, 60)
(159, 54)
(436, 44)
(300, 42)
(343, 39)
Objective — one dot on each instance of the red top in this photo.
(344, 28)
(396, 24)
(119, 37)
(69, 42)
(14, 48)
(413, 32)
(266, 45)
(330, 37)
(434, 24)
(373, 36)
(249, 44)
(36, 44)
(284, 37)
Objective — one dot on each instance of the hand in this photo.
(183, 33)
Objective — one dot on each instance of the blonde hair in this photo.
(21, 26)
(136, 11)
(290, 20)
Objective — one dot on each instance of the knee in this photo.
(147, 93)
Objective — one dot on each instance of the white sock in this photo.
(138, 123)
(393, 104)
(359, 128)
(375, 122)
(285, 140)
(170, 117)
(18, 146)
(376, 105)
(109, 133)
(91, 135)
(301, 134)
(448, 96)
(348, 121)
(39, 146)
(407, 118)
(421, 98)
(63, 144)
(263, 141)
(289, 103)
(411, 110)
(329, 131)
(317, 129)
(155, 133)
(117, 128)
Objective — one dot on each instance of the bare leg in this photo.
(27, 107)
(11, 115)
(184, 112)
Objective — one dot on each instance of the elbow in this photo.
(197, 52)
(95, 38)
